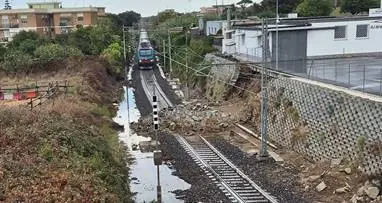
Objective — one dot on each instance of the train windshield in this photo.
(145, 52)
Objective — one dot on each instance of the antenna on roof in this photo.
(7, 5)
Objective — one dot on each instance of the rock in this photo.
(372, 192)
(379, 198)
(335, 162)
(2, 196)
(306, 188)
(342, 190)
(376, 182)
(223, 125)
(134, 178)
(361, 191)
(353, 199)
(314, 178)
(172, 126)
(347, 170)
(195, 118)
(320, 187)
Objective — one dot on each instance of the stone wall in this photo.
(325, 122)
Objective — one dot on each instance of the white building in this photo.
(306, 38)
(213, 27)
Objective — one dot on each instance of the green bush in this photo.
(113, 53)
(315, 8)
(55, 51)
(17, 61)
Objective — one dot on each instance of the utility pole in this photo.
(169, 52)
(264, 93)
(187, 88)
(277, 34)
(164, 53)
(124, 30)
(124, 51)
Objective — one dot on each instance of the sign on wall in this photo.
(374, 12)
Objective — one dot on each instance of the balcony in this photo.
(12, 25)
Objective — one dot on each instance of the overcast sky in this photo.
(144, 7)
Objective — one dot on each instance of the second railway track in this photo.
(235, 184)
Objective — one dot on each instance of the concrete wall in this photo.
(324, 122)
(322, 42)
(212, 27)
(248, 42)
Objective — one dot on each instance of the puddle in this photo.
(143, 171)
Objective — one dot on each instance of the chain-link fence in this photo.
(362, 74)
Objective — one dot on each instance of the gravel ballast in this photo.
(280, 182)
(202, 188)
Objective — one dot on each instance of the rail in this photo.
(237, 186)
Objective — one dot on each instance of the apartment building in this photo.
(48, 18)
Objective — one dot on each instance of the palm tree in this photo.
(243, 4)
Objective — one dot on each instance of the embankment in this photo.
(64, 150)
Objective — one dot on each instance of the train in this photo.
(146, 55)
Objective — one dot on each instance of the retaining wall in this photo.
(325, 122)
(321, 121)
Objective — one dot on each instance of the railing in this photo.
(37, 94)
(361, 74)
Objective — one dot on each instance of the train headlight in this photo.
(140, 61)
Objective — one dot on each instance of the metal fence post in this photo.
(349, 77)
(335, 72)
(380, 83)
(364, 78)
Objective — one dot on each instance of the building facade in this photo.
(48, 19)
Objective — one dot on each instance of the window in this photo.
(80, 17)
(340, 32)
(362, 31)
(5, 21)
(145, 52)
(24, 19)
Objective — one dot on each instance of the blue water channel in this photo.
(143, 171)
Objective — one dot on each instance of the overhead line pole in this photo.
(169, 52)
(277, 34)
(264, 93)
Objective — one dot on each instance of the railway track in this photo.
(151, 87)
(234, 183)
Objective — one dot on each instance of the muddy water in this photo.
(143, 171)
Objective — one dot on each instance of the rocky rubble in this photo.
(369, 192)
(196, 118)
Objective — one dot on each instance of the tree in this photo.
(21, 37)
(243, 4)
(129, 18)
(315, 8)
(166, 15)
(16, 61)
(358, 6)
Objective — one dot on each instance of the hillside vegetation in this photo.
(65, 150)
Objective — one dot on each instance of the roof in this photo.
(54, 10)
(288, 24)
